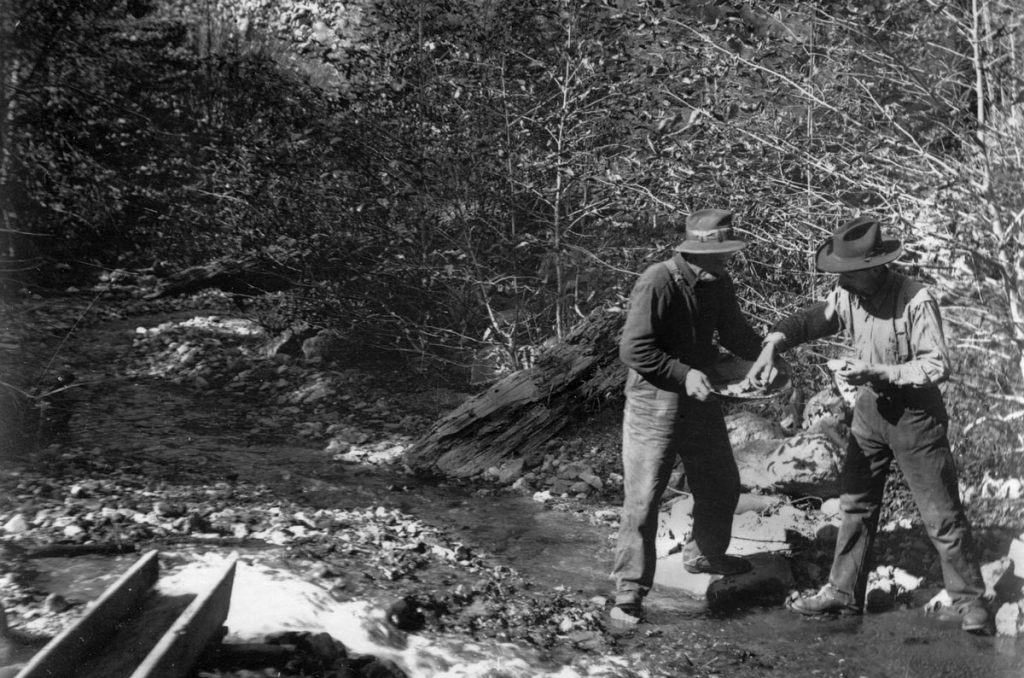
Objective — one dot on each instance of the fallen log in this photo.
(513, 419)
(246, 277)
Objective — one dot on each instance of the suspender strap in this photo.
(689, 297)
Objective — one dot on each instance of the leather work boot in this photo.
(628, 611)
(720, 564)
(826, 601)
(973, 617)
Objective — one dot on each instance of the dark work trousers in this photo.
(655, 430)
(910, 426)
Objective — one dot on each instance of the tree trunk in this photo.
(514, 418)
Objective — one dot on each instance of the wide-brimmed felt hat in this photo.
(855, 246)
(710, 232)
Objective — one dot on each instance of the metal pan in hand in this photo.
(727, 375)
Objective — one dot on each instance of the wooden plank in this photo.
(177, 651)
(61, 656)
(135, 637)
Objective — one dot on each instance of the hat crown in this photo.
(709, 231)
(708, 220)
(859, 238)
(856, 245)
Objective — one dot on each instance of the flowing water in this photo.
(161, 422)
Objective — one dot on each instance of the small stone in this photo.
(56, 603)
(1016, 556)
(16, 525)
(72, 531)
(406, 614)
(162, 508)
(1009, 620)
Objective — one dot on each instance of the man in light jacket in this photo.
(899, 357)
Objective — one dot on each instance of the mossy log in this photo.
(515, 417)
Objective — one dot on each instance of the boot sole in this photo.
(834, 612)
(976, 628)
(828, 614)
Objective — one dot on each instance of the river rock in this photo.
(1001, 582)
(324, 345)
(768, 580)
(746, 426)
(939, 601)
(806, 464)
(510, 472)
(1016, 556)
(886, 585)
(16, 525)
(1010, 619)
(756, 533)
(750, 460)
(761, 525)
(825, 405)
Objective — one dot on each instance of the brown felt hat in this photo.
(855, 246)
(710, 232)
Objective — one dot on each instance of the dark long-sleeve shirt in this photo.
(671, 328)
(899, 326)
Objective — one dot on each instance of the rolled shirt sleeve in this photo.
(814, 322)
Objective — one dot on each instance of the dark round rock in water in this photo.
(405, 614)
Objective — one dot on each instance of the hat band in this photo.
(712, 235)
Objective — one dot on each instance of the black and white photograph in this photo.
(494, 339)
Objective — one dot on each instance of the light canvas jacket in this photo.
(899, 326)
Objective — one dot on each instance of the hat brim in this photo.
(827, 262)
(724, 247)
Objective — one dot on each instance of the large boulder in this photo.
(767, 582)
(746, 426)
(759, 532)
(806, 464)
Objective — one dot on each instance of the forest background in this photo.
(465, 180)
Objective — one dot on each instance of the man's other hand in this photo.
(763, 371)
(697, 385)
(858, 372)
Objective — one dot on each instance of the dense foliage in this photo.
(445, 174)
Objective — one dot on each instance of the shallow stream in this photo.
(171, 427)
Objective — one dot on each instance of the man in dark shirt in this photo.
(898, 358)
(675, 310)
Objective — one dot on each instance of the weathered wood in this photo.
(250, 277)
(75, 550)
(62, 655)
(515, 417)
(176, 653)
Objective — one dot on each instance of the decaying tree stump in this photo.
(514, 418)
